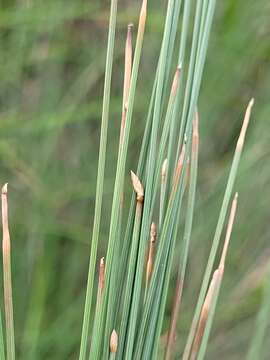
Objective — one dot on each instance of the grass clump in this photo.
(133, 304)
(136, 272)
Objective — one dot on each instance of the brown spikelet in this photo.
(150, 260)
(113, 342)
(137, 185)
(101, 274)
(164, 169)
(175, 82)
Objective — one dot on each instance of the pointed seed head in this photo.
(113, 342)
(5, 189)
(153, 232)
(137, 185)
(164, 169)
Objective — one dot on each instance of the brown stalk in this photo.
(205, 312)
(150, 260)
(179, 166)
(7, 278)
(101, 280)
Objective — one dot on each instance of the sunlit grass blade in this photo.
(186, 237)
(10, 341)
(221, 219)
(100, 181)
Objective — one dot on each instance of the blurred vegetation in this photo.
(51, 71)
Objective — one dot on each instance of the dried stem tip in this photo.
(153, 232)
(113, 342)
(150, 260)
(164, 169)
(7, 277)
(229, 230)
(242, 135)
(6, 236)
(101, 274)
(137, 185)
(175, 81)
(4, 189)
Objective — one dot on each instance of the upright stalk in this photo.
(221, 219)
(100, 180)
(7, 278)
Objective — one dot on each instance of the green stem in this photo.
(100, 180)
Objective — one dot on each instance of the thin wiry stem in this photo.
(146, 220)
(208, 303)
(95, 338)
(100, 180)
(139, 190)
(7, 278)
(114, 240)
(161, 255)
(187, 235)
(221, 219)
(164, 173)
(201, 338)
(127, 79)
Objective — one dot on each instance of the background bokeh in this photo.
(51, 80)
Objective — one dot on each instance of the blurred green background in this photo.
(51, 81)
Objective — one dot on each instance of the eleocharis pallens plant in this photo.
(135, 274)
(133, 304)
